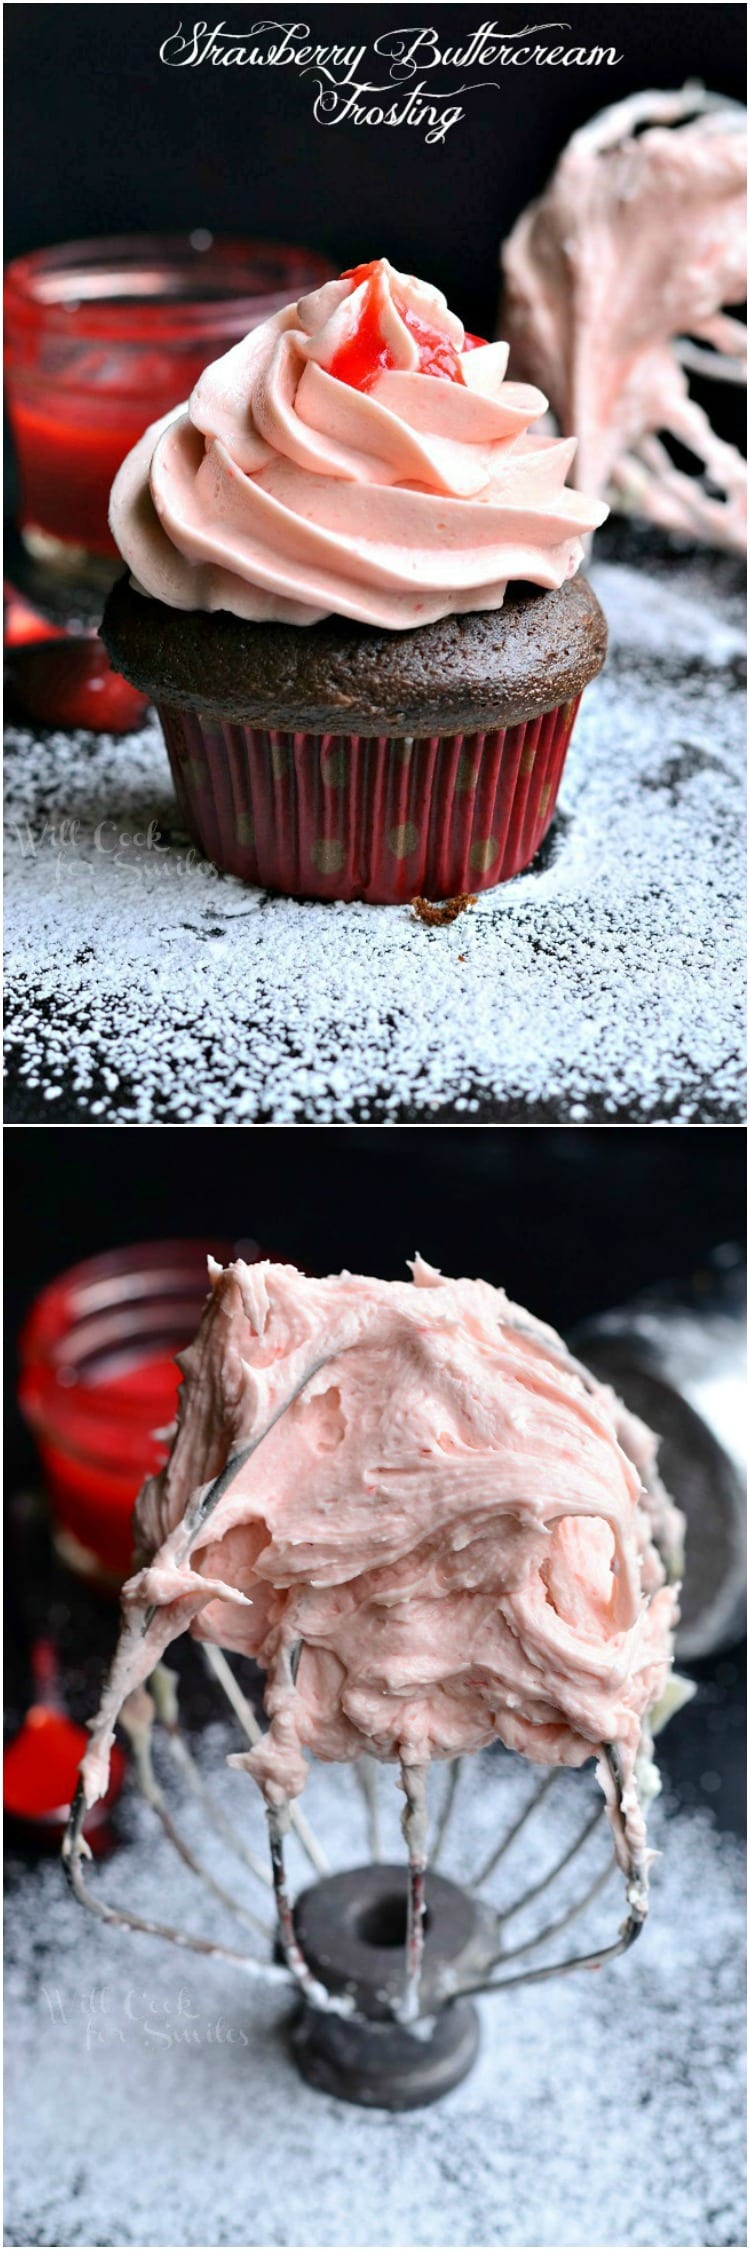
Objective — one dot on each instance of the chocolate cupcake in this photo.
(352, 599)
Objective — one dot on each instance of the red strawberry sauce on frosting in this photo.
(366, 353)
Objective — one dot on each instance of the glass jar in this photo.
(98, 1386)
(103, 337)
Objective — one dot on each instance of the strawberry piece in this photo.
(22, 623)
(70, 683)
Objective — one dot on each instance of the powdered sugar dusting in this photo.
(604, 983)
(152, 2098)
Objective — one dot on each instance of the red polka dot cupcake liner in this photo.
(383, 818)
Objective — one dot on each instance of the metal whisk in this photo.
(384, 1958)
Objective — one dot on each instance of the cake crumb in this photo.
(427, 910)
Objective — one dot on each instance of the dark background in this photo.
(102, 137)
(568, 1220)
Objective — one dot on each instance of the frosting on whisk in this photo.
(425, 1521)
(617, 282)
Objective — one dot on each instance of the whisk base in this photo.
(384, 2065)
(352, 1928)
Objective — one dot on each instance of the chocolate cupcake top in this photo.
(357, 456)
(487, 669)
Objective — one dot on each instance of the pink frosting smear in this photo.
(617, 286)
(294, 486)
(441, 1531)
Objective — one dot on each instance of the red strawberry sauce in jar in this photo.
(102, 338)
(98, 1382)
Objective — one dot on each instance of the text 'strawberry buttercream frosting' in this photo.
(357, 455)
(443, 1531)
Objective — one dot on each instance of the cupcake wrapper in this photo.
(384, 818)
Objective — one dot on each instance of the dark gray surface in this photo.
(604, 984)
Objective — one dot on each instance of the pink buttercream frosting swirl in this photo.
(287, 492)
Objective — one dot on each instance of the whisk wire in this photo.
(216, 1663)
(509, 1838)
(535, 1890)
(139, 1730)
(317, 1994)
(445, 1815)
(563, 1921)
(367, 1777)
(75, 1850)
(414, 1823)
(138, 1718)
(191, 1775)
(629, 1932)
